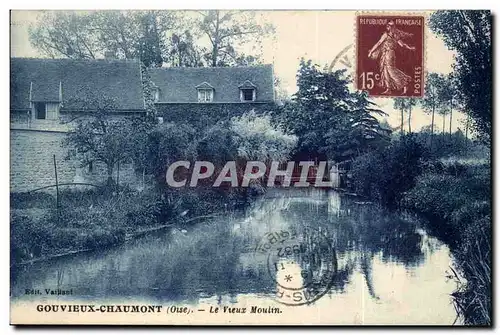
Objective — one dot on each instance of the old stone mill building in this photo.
(42, 112)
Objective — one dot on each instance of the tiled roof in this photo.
(180, 84)
(115, 78)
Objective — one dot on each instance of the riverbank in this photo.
(456, 200)
(454, 195)
(98, 218)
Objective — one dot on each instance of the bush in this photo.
(148, 213)
(448, 195)
(436, 195)
(454, 145)
(386, 174)
(32, 200)
(27, 238)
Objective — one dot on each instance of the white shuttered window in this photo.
(205, 95)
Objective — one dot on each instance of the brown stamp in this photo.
(390, 55)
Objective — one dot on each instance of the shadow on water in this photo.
(217, 258)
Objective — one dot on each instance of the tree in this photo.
(450, 97)
(154, 37)
(218, 144)
(328, 119)
(150, 41)
(89, 35)
(184, 52)
(97, 137)
(468, 33)
(167, 143)
(257, 139)
(405, 105)
(431, 101)
(66, 34)
(226, 31)
(443, 111)
(467, 124)
(358, 131)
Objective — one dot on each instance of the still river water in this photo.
(388, 270)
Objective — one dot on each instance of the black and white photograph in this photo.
(251, 167)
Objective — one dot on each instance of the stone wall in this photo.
(32, 160)
(33, 144)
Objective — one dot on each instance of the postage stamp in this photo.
(302, 264)
(390, 55)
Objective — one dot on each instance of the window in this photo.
(205, 95)
(46, 110)
(247, 91)
(247, 94)
(205, 92)
(156, 94)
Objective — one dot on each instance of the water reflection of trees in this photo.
(360, 232)
(217, 258)
(366, 229)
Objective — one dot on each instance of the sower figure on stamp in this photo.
(391, 78)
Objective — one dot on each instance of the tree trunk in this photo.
(432, 126)
(451, 118)
(402, 118)
(214, 55)
(215, 51)
(444, 123)
(466, 131)
(409, 121)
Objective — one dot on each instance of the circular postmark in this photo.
(302, 262)
(343, 57)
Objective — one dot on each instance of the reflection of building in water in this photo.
(335, 176)
(335, 204)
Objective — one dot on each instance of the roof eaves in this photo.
(247, 84)
(204, 85)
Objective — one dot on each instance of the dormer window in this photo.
(156, 93)
(248, 91)
(205, 92)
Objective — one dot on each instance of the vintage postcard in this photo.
(250, 167)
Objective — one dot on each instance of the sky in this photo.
(315, 35)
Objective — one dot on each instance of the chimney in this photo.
(109, 55)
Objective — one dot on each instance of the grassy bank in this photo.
(98, 218)
(453, 193)
(456, 200)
